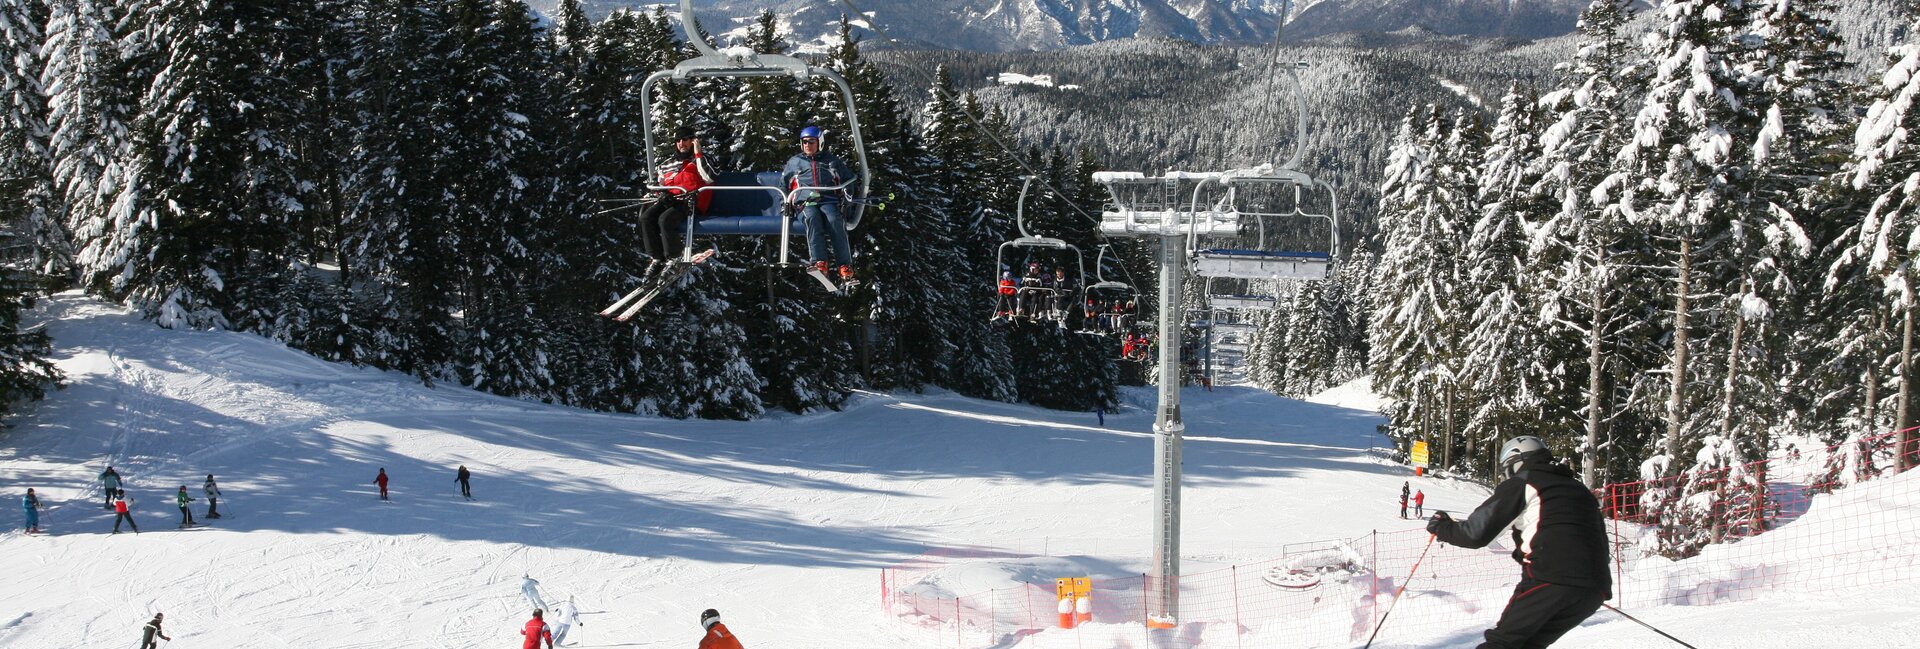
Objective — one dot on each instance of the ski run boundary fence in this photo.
(1822, 521)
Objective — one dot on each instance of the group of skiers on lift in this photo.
(812, 178)
(114, 494)
(1039, 294)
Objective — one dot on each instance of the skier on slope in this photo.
(213, 497)
(1404, 489)
(181, 499)
(123, 511)
(382, 481)
(531, 589)
(718, 636)
(564, 619)
(109, 486)
(534, 630)
(152, 629)
(1419, 504)
(466, 489)
(1559, 539)
(31, 503)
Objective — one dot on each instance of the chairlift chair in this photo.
(1104, 292)
(747, 203)
(1263, 262)
(1031, 242)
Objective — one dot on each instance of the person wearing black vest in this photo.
(1559, 539)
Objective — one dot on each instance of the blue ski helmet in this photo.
(810, 132)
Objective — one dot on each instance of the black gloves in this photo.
(1439, 522)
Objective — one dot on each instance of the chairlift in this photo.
(1266, 260)
(748, 203)
(1034, 297)
(1227, 301)
(1110, 305)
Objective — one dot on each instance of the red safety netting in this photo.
(1826, 516)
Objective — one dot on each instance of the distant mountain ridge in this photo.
(1004, 25)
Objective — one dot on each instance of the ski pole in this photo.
(1403, 588)
(1649, 626)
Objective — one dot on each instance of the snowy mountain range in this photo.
(1051, 24)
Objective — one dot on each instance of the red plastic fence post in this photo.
(993, 611)
(957, 641)
(1029, 591)
(1619, 562)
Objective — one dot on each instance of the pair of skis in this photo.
(837, 289)
(630, 304)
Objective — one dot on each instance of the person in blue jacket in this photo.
(32, 504)
(820, 210)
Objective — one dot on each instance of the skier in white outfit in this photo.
(531, 589)
(564, 619)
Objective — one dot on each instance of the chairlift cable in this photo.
(1273, 80)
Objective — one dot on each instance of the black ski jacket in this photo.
(1558, 534)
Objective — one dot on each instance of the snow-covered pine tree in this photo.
(598, 363)
(911, 249)
(572, 38)
(1509, 365)
(315, 308)
(1392, 328)
(984, 366)
(1589, 262)
(496, 198)
(1681, 158)
(1795, 89)
(1430, 191)
(1454, 208)
(213, 173)
(1309, 341)
(25, 367)
(397, 245)
(767, 111)
(92, 83)
(698, 362)
(1885, 168)
(1721, 100)
(28, 199)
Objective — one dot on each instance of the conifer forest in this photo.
(1676, 239)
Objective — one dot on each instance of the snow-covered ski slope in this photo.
(782, 524)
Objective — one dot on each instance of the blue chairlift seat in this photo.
(744, 212)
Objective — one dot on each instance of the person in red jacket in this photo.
(1419, 504)
(683, 175)
(123, 512)
(535, 630)
(718, 637)
(382, 481)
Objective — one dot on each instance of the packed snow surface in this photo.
(782, 524)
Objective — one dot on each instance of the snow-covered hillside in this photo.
(781, 524)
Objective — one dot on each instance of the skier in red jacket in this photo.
(718, 637)
(535, 630)
(382, 481)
